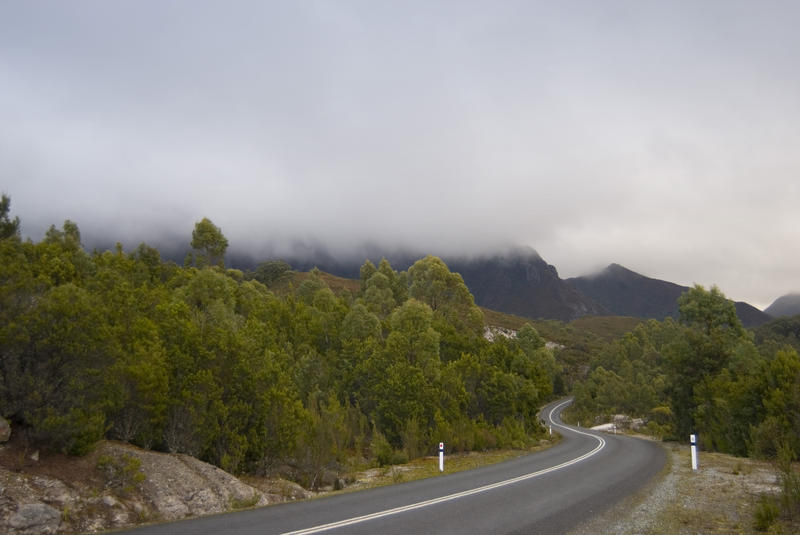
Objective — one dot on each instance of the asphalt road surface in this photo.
(550, 491)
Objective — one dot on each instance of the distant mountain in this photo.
(517, 281)
(627, 293)
(520, 282)
(787, 305)
(750, 316)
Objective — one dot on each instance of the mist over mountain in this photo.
(516, 281)
(520, 282)
(786, 305)
(511, 279)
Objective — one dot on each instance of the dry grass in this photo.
(720, 497)
(426, 467)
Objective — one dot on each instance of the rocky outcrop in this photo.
(35, 518)
(126, 486)
(177, 486)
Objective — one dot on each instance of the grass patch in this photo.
(427, 467)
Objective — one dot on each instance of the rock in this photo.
(175, 486)
(36, 518)
(338, 484)
(5, 430)
(179, 485)
(622, 421)
(34, 456)
(637, 424)
(52, 491)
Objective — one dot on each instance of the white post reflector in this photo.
(693, 443)
(551, 430)
(441, 456)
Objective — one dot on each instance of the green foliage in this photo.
(268, 273)
(789, 480)
(209, 362)
(209, 242)
(381, 449)
(779, 333)
(703, 374)
(431, 282)
(711, 335)
(9, 228)
(710, 312)
(766, 513)
(123, 474)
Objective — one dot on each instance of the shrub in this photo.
(766, 513)
(123, 474)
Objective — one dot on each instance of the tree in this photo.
(712, 334)
(360, 324)
(8, 227)
(413, 339)
(378, 296)
(710, 312)
(432, 283)
(456, 318)
(208, 240)
(397, 281)
(367, 270)
(269, 272)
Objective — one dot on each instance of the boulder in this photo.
(36, 518)
(178, 485)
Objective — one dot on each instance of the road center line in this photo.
(419, 505)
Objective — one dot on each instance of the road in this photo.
(550, 491)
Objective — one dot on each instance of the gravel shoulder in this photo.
(720, 497)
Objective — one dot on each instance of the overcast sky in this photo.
(663, 136)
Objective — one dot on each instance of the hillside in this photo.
(786, 305)
(516, 282)
(520, 282)
(627, 293)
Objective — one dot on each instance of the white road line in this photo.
(357, 520)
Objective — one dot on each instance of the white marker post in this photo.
(441, 456)
(693, 443)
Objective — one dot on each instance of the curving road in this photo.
(550, 491)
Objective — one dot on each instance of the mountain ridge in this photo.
(519, 281)
(627, 293)
(785, 305)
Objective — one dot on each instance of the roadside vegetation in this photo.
(260, 373)
(704, 374)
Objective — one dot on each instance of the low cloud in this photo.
(662, 138)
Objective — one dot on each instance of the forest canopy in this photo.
(209, 361)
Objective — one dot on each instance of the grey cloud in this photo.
(661, 136)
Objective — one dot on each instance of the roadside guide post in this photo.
(693, 443)
(441, 456)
